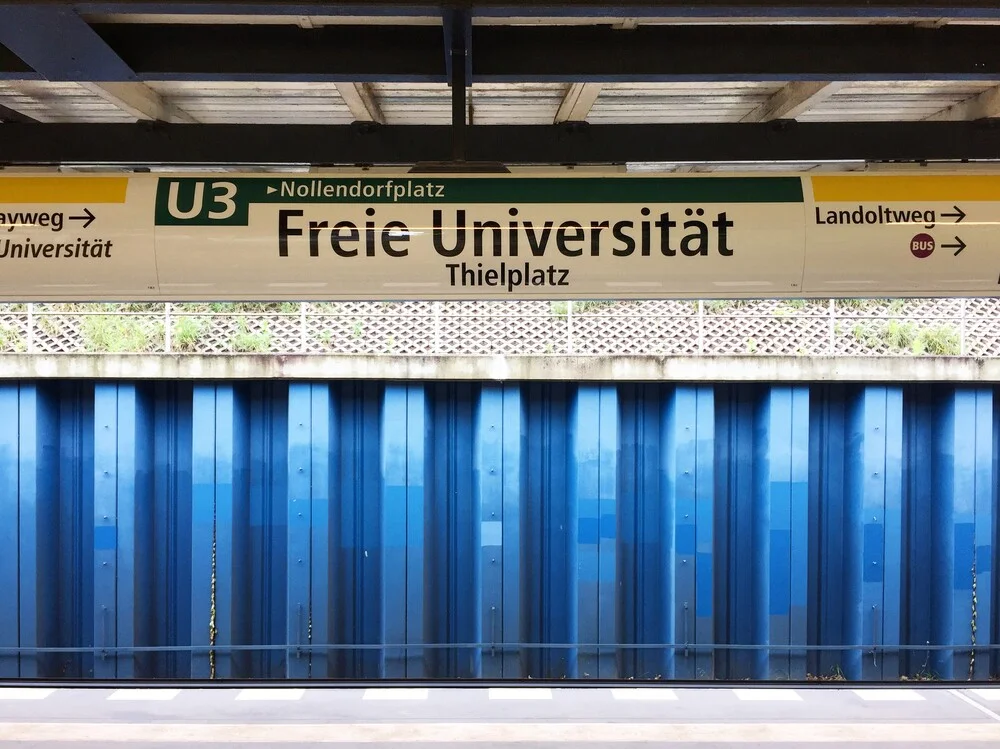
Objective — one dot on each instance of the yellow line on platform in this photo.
(63, 189)
(445, 733)
(894, 188)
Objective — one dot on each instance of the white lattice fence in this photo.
(668, 327)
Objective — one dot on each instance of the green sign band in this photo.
(225, 202)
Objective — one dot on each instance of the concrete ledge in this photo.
(499, 368)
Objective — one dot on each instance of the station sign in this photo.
(363, 237)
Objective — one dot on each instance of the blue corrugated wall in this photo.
(390, 530)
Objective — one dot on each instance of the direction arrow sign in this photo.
(958, 215)
(956, 247)
(88, 219)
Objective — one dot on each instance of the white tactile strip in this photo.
(767, 695)
(889, 695)
(520, 693)
(270, 695)
(144, 695)
(638, 694)
(25, 693)
(989, 695)
(416, 693)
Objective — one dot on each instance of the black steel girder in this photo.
(13, 65)
(558, 53)
(149, 144)
(12, 115)
(264, 52)
(860, 7)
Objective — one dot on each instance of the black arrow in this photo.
(958, 216)
(89, 218)
(956, 247)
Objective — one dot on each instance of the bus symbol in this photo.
(922, 245)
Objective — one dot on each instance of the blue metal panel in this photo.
(106, 445)
(394, 519)
(300, 417)
(358, 535)
(856, 530)
(583, 531)
(607, 488)
(490, 522)
(319, 513)
(172, 532)
(456, 558)
(38, 515)
(9, 500)
(310, 413)
(203, 530)
(593, 546)
(537, 530)
(417, 457)
(513, 499)
(546, 573)
(704, 511)
(681, 461)
(268, 466)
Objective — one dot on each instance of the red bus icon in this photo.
(922, 245)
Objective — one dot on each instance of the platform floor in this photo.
(519, 717)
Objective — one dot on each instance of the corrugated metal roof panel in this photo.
(678, 102)
(258, 103)
(516, 104)
(492, 103)
(414, 103)
(48, 101)
(893, 100)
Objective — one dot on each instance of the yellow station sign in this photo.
(340, 237)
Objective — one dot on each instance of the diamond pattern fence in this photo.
(892, 327)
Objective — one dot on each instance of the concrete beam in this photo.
(706, 369)
(577, 102)
(792, 100)
(361, 100)
(140, 101)
(986, 104)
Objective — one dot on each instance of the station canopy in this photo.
(660, 85)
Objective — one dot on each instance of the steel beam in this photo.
(13, 67)
(574, 8)
(557, 53)
(146, 144)
(735, 53)
(59, 45)
(281, 53)
(457, 26)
